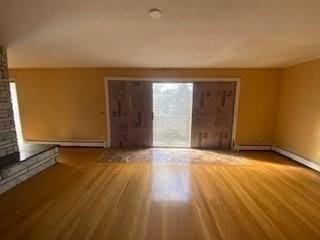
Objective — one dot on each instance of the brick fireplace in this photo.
(17, 163)
(8, 138)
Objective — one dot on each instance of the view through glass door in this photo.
(172, 111)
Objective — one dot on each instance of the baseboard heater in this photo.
(284, 152)
(297, 158)
(293, 156)
(70, 143)
(253, 147)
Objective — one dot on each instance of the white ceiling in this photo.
(191, 33)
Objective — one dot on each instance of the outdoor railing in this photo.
(171, 131)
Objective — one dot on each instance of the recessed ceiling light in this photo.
(155, 13)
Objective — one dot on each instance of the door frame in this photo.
(175, 79)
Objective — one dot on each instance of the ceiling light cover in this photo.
(155, 13)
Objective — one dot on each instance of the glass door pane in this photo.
(172, 111)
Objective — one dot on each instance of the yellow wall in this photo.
(69, 104)
(61, 105)
(298, 126)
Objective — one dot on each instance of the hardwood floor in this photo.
(84, 196)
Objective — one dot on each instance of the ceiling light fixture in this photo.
(155, 13)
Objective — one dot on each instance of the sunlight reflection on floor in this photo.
(168, 184)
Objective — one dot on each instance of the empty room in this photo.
(160, 120)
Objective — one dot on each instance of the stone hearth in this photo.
(30, 160)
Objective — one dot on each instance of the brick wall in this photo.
(8, 139)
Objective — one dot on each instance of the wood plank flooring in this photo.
(84, 196)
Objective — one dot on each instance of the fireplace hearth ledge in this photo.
(31, 159)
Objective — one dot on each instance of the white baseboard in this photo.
(70, 143)
(297, 158)
(253, 147)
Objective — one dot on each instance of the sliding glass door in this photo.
(172, 111)
(145, 114)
